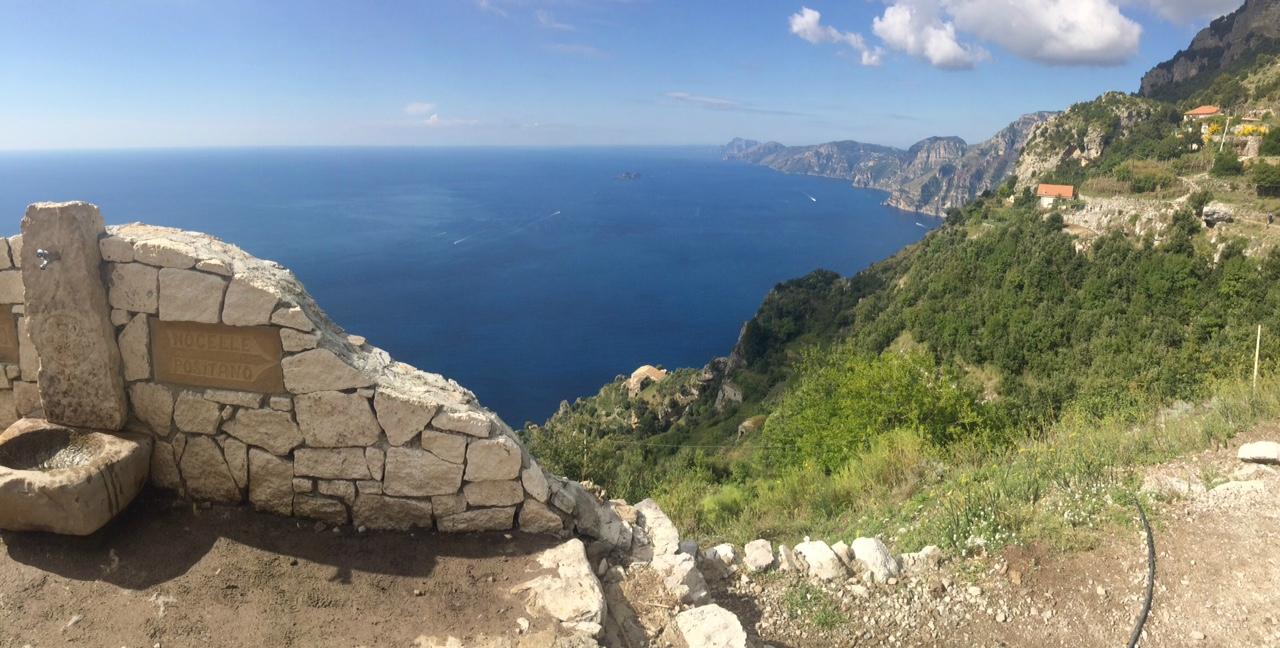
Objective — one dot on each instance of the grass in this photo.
(804, 601)
(1059, 488)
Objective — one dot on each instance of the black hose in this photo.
(1151, 578)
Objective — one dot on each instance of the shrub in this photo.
(844, 401)
(1271, 143)
(1227, 164)
(1267, 177)
(1198, 200)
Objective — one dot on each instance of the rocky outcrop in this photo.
(931, 176)
(1234, 39)
(1082, 134)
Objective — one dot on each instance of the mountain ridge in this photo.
(931, 176)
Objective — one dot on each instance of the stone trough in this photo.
(67, 480)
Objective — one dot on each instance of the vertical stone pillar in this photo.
(80, 380)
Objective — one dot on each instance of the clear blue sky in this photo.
(149, 73)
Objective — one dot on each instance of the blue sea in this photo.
(530, 276)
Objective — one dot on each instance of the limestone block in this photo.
(338, 463)
(8, 409)
(450, 447)
(268, 429)
(391, 513)
(493, 459)
(292, 317)
(320, 370)
(571, 594)
(465, 421)
(822, 561)
(303, 485)
(206, 473)
(661, 530)
(15, 249)
(11, 288)
(343, 490)
(403, 416)
(12, 372)
(216, 266)
(66, 311)
(369, 487)
(536, 517)
(488, 519)
(5, 260)
(876, 556)
(231, 397)
(120, 317)
(115, 249)
(237, 456)
(247, 305)
(1263, 452)
(377, 460)
(164, 467)
(192, 413)
(26, 398)
(417, 473)
(293, 341)
(320, 508)
(28, 358)
(331, 419)
(190, 296)
(165, 253)
(681, 576)
(709, 626)
(134, 287)
(758, 555)
(135, 349)
(535, 482)
(281, 403)
(448, 504)
(153, 405)
(493, 493)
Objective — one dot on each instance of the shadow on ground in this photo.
(160, 538)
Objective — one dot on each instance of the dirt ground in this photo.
(1217, 569)
(1217, 581)
(167, 574)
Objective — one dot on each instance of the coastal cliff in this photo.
(933, 175)
(1232, 42)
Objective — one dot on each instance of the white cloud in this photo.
(549, 21)
(1054, 32)
(1057, 32)
(807, 24)
(1185, 11)
(419, 108)
(916, 29)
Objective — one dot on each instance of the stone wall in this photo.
(254, 395)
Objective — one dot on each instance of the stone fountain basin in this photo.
(68, 480)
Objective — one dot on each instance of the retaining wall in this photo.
(254, 395)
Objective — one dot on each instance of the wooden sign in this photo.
(8, 338)
(246, 358)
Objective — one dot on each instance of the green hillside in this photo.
(998, 380)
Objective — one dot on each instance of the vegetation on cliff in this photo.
(996, 381)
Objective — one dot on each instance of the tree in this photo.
(1271, 143)
(1227, 164)
(1198, 200)
(1267, 177)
